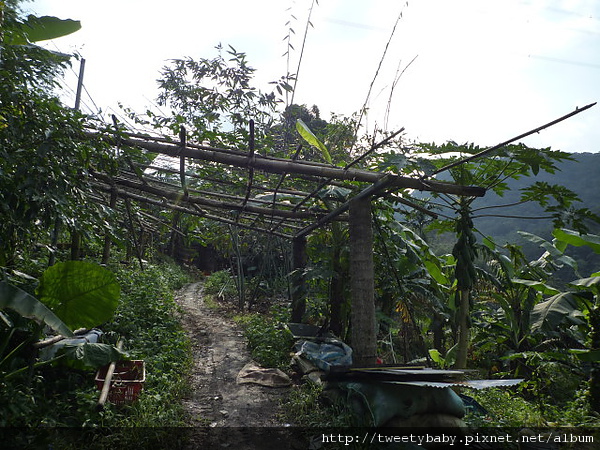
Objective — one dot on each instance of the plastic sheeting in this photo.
(324, 355)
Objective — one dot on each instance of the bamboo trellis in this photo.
(276, 215)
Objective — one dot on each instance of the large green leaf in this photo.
(587, 282)
(28, 306)
(577, 239)
(82, 294)
(36, 29)
(309, 137)
(587, 355)
(549, 314)
(537, 285)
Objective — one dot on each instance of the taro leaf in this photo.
(36, 29)
(82, 294)
(309, 137)
(28, 306)
(549, 314)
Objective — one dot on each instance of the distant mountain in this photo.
(582, 176)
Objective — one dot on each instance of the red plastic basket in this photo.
(127, 381)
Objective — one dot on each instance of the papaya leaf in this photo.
(29, 307)
(309, 137)
(82, 294)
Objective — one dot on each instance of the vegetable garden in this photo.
(299, 219)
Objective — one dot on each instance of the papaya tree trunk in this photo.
(465, 253)
(362, 284)
(463, 330)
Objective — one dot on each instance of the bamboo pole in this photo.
(516, 138)
(108, 379)
(176, 196)
(279, 165)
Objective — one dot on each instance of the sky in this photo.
(480, 71)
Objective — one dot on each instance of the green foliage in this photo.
(215, 97)
(27, 306)
(309, 137)
(307, 406)
(43, 154)
(220, 284)
(506, 409)
(269, 341)
(35, 29)
(146, 317)
(82, 294)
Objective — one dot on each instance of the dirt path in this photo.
(219, 353)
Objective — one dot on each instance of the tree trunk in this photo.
(362, 284)
(299, 260)
(75, 245)
(463, 330)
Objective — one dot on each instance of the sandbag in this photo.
(378, 402)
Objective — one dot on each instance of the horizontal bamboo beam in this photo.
(195, 212)
(280, 166)
(178, 197)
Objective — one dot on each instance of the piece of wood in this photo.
(108, 378)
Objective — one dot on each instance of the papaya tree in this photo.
(491, 172)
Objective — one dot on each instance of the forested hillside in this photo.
(579, 175)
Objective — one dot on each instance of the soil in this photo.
(220, 352)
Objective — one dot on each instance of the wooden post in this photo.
(75, 235)
(299, 259)
(107, 238)
(362, 284)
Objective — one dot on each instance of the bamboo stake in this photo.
(108, 378)
(502, 144)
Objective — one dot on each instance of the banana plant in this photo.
(72, 294)
(578, 305)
